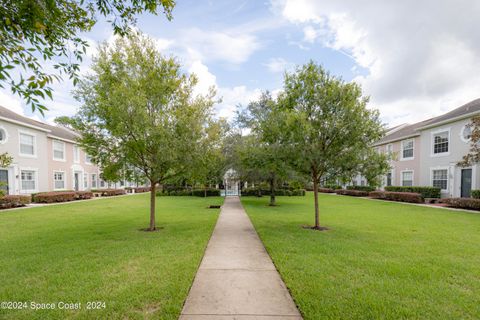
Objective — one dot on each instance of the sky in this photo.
(415, 59)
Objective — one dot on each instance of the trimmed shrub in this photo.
(14, 201)
(251, 192)
(141, 189)
(298, 193)
(327, 190)
(426, 192)
(209, 192)
(410, 197)
(83, 195)
(51, 197)
(354, 193)
(109, 192)
(361, 188)
(333, 186)
(256, 192)
(475, 194)
(463, 203)
(186, 193)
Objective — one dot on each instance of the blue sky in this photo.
(413, 61)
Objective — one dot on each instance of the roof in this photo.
(55, 131)
(412, 130)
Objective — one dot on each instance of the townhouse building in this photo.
(45, 157)
(427, 153)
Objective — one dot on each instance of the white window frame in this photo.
(85, 181)
(462, 137)
(96, 180)
(448, 177)
(35, 170)
(413, 150)
(388, 147)
(2, 128)
(87, 161)
(76, 154)
(64, 180)
(64, 150)
(401, 176)
(29, 133)
(432, 143)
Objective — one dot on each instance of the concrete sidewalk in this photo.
(237, 279)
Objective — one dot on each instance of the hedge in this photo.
(255, 192)
(83, 195)
(361, 188)
(109, 192)
(354, 193)
(475, 194)
(14, 201)
(141, 189)
(398, 196)
(426, 192)
(58, 196)
(463, 203)
(196, 192)
(326, 190)
(332, 186)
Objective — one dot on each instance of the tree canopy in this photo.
(35, 31)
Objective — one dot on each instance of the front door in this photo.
(4, 180)
(466, 187)
(76, 181)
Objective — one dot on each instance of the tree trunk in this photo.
(205, 191)
(315, 196)
(152, 206)
(272, 191)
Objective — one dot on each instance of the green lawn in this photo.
(380, 260)
(94, 251)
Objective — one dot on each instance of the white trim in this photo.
(28, 133)
(432, 142)
(2, 128)
(64, 159)
(413, 176)
(401, 150)
(20, 178)
(448, 176)
(31, 126)
(64, 180)
(409, 136)
(87, 161)
(76, 148)
(60, 138)
(461, 135)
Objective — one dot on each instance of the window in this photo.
(85, 180)
(27, 144)
(88, 158)
(440, 142)
(102, 183)
(407, 178)
(58, 150)
(28, 180)
(76, 154)
(3, 135)
(389, 179)
(390, 148)
(466, 133)
(407, 149)
(440, 179)
(59, 180)
(94, 180)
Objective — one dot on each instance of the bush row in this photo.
(475, 194)
(463, 203)
(14, 201)
(327, 190)
(354, 193)
(255, 192)
(397, 196)
(426, 192)
(109, 192)
(195, 193)
(137, 189)
(361, 188)
(61, 196)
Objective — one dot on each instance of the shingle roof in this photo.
(56, 131)
(413, 129)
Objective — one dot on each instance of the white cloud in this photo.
(11, 102)
(278, 65)
(206, 80)
(420, 61)
(232, 97)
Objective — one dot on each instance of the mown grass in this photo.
(94, 251)
(380, 260)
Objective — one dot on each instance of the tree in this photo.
(35, 31)
(263, 152)
(473, 156)
(138, 110)
(5, 161)
(330, 127)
